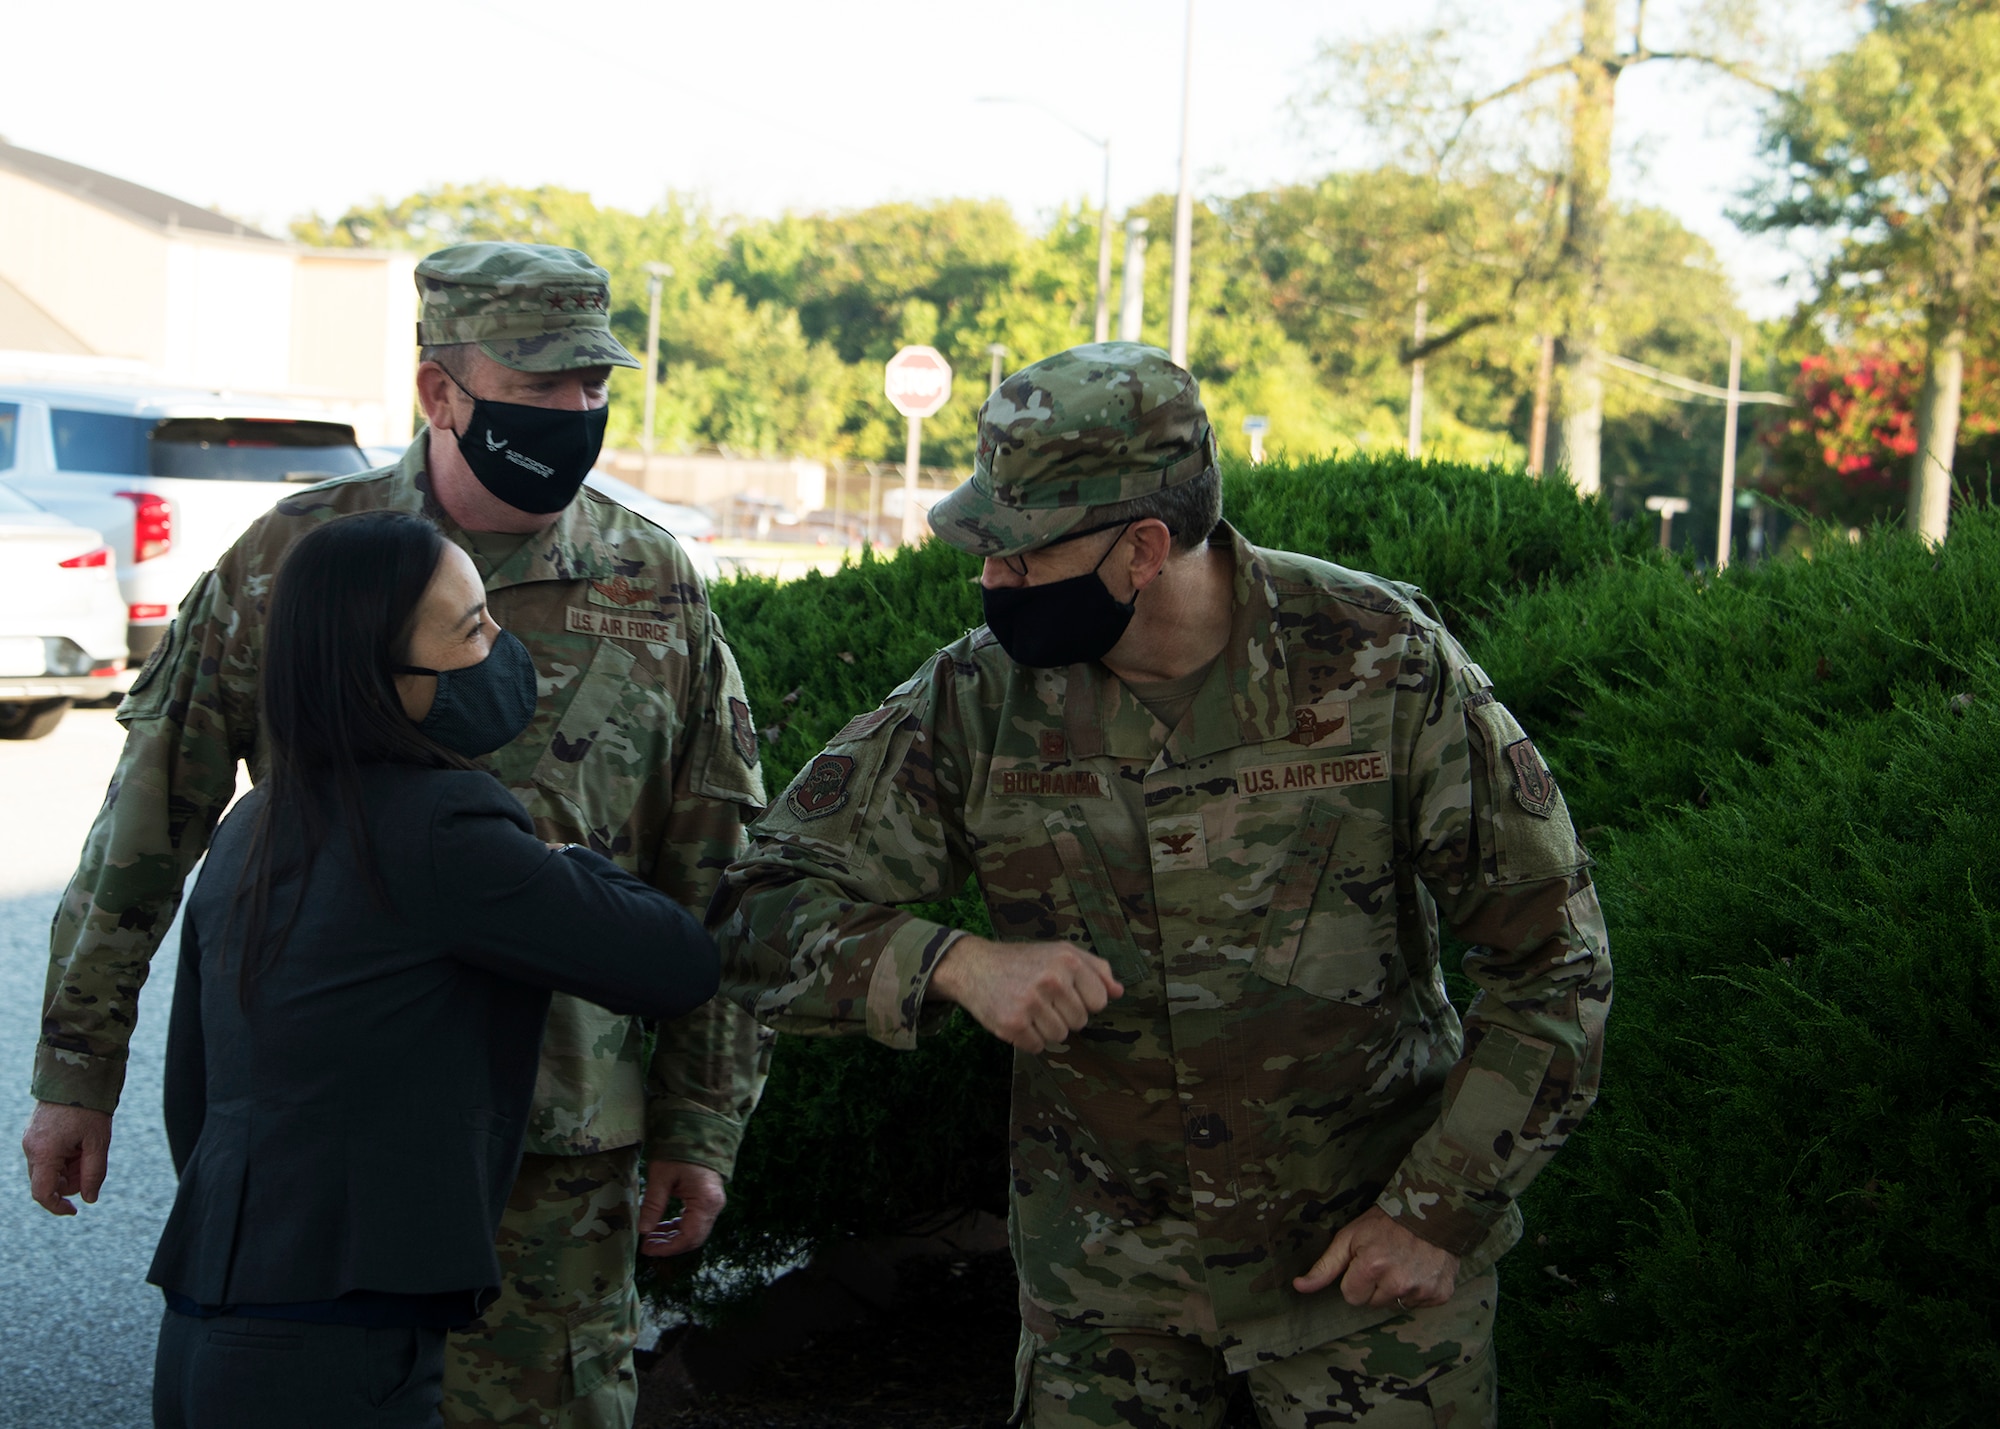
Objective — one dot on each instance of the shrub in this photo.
(1644, 684)
(1783, 1208)
(1473, 537)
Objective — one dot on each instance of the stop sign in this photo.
(918, 381)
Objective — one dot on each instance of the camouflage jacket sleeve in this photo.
(813, 933)
(1493, 843)
(189, 718)
(707, 1069)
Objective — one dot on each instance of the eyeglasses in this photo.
(1018, 564)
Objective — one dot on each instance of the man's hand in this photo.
(67, 1148)
(1379, 1263)
(699, 1190)
(1027, 994)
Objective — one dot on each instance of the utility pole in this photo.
(1722, 521)
(1101, 332)
(1132, 305)
(1538, 425)
(998, 353)
(1417, 370)
(656, 276)
(1177, 318)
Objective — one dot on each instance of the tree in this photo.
(1895, 146)
(1412, 87)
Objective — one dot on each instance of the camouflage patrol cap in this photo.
(529, 306)
(1087, 428)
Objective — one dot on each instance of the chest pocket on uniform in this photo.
(1321, 935)
(1096, 899)
(606, 744)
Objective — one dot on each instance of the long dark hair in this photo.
(341, 615)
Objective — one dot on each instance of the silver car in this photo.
(62, 619)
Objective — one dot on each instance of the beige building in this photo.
(100, 276)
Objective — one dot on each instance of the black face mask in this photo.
(481, 707)
(1066, 622)
(532, 458)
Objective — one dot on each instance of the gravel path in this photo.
(77, 1319)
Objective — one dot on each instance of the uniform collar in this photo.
(1247, 699)
(570, 550)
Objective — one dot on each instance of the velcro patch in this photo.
(1534, 786)
(1336, 772)
(862, 725)
(1325, 725)
(822, 789)
(1041, 784)
(582, 621)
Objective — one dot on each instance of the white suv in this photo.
(62, 622)
(169, 478)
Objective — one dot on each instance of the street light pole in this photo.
(656, 276)
(1132, 307)
(1102, 329)
(998, 352)
(1177, 318)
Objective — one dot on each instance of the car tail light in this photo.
(146, 612)
(152, 524)
(88, 560)
(102, 670)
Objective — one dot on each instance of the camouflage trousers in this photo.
(555, 1349)
(1428, 1369)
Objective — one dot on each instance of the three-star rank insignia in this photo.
(822, 789)
(1534, 786)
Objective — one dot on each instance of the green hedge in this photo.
(1645, 684)
(1782, 1210)
(1473, 537)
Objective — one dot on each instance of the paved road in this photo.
(76, 1318)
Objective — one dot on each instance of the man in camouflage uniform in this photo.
(641, 747)
(1254, 806)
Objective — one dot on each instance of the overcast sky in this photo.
(269, 111)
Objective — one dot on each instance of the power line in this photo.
(1688, 384)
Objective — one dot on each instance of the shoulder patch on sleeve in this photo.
(726, 756)
(1534, 786)
(822, 789)
(1525, 833)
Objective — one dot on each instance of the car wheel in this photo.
(31, 719)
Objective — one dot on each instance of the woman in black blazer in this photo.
(364, 974)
